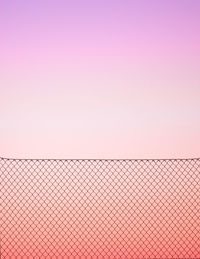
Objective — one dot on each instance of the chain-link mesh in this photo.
(100, 208)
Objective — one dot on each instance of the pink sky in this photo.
(99, 79)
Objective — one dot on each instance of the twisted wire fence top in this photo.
(100, 208)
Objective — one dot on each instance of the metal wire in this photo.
(85, 208)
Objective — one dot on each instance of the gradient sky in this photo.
(99, 79)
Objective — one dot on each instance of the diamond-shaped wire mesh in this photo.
(100, 208)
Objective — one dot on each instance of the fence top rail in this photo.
(100, 159)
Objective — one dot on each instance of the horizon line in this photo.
(101, 159)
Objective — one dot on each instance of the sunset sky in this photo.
(100, 79)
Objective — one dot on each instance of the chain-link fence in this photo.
(100, 208)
